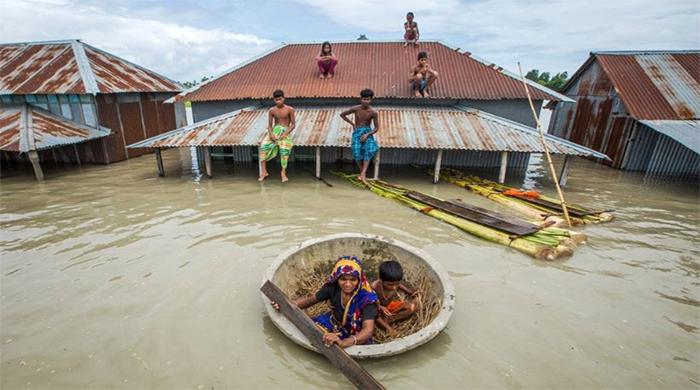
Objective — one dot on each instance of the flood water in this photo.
(114, 278)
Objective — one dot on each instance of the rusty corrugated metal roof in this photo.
(381, 66)
(26, 127)
(655, 85)
(400, 127)
(687, 133)
(61, 67)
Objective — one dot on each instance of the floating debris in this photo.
(546, 243)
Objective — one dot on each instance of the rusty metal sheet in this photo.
(73, 67)
(382, 66)
(400, 127)
(655, 85)
(24, 128)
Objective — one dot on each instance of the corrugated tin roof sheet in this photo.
(687, 133)
(655, 85)
(382, 66)
(62, 67)
(400, 127)
(25, 127)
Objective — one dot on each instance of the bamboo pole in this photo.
(552, 171)
(438, 162)
(504, 167)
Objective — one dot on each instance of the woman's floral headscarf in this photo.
(361, 297)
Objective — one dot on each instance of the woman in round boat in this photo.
(353, 305)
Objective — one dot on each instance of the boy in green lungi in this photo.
(280, 123)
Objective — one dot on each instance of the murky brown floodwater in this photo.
(114, 278)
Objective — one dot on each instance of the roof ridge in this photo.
(49, 42)
(85, 68)
(644, 52)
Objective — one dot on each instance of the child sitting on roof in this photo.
(422, 76)
(277, 139)
(326, 61)
(353, 305)
(364, 146)
(411, 34)
(391, 307)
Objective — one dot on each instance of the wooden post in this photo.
(438, 162)
(336, 355)
(318, 162)
(564, 175)
(377, 158)
(77, 155)
(159, 162)
(207, 160)
(34, 159)
(504, 165)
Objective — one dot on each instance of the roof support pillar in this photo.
(377, 159)
(318, 162)
(207, 159)
(34, 159)
(77, 155)
(438, 162)
(504, 166)
(564, 175)
(159, 162)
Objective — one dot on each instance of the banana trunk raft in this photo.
(536, 206)
(545, 243)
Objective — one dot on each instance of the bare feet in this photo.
(363, 179)
(321, 76)
(330, 76)
(284, 177)
(391, 331)
(417, 93)
(405, 44)
(425, 94)
(263, 176)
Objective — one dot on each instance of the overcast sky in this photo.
(188, 40)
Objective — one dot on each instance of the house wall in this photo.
(517, 110)
(598, 119)
(658, 155)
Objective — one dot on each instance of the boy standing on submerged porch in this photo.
(364, 146)
(280, 123)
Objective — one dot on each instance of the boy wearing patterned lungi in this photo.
(280, 123)
(364, 146)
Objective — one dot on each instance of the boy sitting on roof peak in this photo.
(364, 146)
(422, 76)
(412, 34)
(277, 140)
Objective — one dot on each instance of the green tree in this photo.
(556, 83)
(190, 84)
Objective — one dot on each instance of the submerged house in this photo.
(477, 114)
(641, 108)
(67, 101)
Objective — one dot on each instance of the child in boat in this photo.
(326, 61)
(353, 305)
(411, 34)
(391, 307)
(281, 121)
(364, 146)
(422, 76)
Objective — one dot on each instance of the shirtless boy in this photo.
(422, 76)
(364, 146)
(281, 121)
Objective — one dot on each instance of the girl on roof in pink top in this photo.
(326, 61)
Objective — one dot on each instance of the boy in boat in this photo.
(353, 305)
(281, 121)
(422, 76)
(391, 307)
(411, 34)
(364, 146)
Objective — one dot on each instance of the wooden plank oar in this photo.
(482, 216)
(336, 355)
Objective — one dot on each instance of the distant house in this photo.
(477, 113)
(641, 108)
(68, 101)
